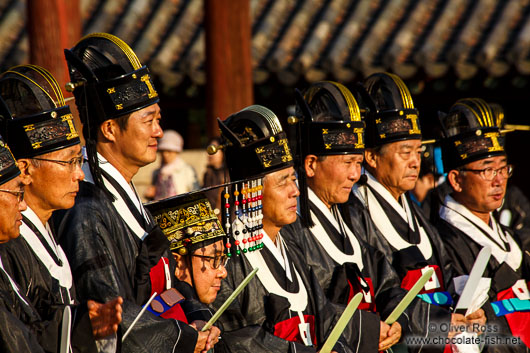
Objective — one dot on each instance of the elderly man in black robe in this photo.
(37, 263)
(478, 171)
(284, 309)
(331, 148)
(18, 332)
(392, 161)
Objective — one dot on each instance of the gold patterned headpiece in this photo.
(36, 119)
(471, 133)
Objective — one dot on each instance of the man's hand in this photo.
(476, 318)
(206, 339)
(458, 325)
(104, 318)
(389, 335)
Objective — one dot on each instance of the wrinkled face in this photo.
(397, 166)
(279, 198)
(138, 142)
(54, 186)
(477, 194)
(206, 278)
(11, 216)
(333, 177)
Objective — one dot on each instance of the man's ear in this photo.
(455, 180)
(181, 269)
(370, 158)
(109, 129)
(26, 170)
(310, 165)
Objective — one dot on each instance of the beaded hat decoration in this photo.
(188, 221)
(254, 145)
(470, 133)
(108, 72)
(35, 117)
(396, 118)
(8, 165)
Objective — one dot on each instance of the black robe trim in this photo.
(279, 273)
(39, 235)
(402, 227)
(130, 205)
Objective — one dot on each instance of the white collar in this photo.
(116, 175)
(61, 272)
(279, 252)
(401, 208)
(462, 218)
(298, 301)
(323, 237)
(119, 203)
(43, 229)
(384, 224)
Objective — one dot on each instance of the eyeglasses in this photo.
(19, 194)
(71, 164)
(489, 173)
(215, 261)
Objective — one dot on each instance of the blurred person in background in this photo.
(174, 176)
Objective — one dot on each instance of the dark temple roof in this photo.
(312, 39)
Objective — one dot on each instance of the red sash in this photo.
(288, 329)
(519, 322)
(414, 275)
(158, 284)
(356, 288)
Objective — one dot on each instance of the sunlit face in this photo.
(333, 177)
(279, 198)
(54, 186)
(11, 216)
(477, 194)
(138, 142)
(396, 166)
(206, 278)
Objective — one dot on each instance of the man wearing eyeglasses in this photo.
(478, 171)
(15, 336)
(47, 147)
(196, 242)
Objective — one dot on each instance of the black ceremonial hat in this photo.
(35, 117)
(330, 119)
(254, 143)
(396, 118)
(107, 78)
(471, 133)
(8, 165)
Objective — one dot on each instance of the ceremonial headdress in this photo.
(254, 145)
(8, 165)
(329, 121)
(108, 82)
(396, 118)
(108, 72)
(34, 117)
(470, 133)
(188, 221)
